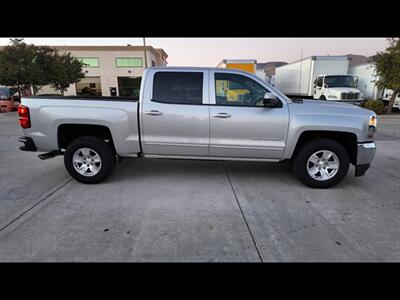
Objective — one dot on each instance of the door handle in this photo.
(222, 115)
(153, 113)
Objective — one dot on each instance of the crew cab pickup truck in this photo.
(195, 113)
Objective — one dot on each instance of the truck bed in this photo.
(119, 114)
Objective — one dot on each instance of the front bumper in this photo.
(365, 155)
(357, 102)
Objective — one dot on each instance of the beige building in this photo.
(110, 70)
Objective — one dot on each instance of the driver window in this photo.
(319, 81)
(234, 89)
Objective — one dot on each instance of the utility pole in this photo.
(145, 52)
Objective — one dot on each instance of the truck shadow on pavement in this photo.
(180, 170)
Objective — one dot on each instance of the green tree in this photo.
(44, 61)
(17, 65)
(387, 66)
(24, 66)
(65, 70)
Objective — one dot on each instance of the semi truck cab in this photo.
(337, 87)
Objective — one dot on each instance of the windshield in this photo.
(339, 81)
(5, 92)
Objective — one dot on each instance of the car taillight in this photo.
(24, 119)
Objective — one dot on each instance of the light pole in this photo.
(145, 54)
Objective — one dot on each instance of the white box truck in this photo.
(319, 77)
(387, 94)
(366, 80)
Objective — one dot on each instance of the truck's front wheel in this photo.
(321, 163)
(89, 159)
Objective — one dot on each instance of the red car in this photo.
(6, 100)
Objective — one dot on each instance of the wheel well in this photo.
(68, 132)
(347, 139)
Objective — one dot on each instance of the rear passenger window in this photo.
(178, 87)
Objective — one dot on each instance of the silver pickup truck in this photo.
(201, 113)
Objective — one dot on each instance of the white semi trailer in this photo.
(319, 77)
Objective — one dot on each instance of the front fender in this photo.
(303, 122)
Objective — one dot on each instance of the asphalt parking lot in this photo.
(201, 211)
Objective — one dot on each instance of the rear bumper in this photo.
(365, 155)
(29, 144)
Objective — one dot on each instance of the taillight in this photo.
(24, 119)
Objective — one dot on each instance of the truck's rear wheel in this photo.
(321, 163)
(89, 159)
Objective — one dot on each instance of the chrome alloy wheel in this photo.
(86, 162)
(323, 165)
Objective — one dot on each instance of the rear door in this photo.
(175, 113)
(240, 126)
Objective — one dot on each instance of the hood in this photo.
(331, 107)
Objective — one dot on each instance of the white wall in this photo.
(366, 84)
(287, 77)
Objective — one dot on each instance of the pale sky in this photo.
(208, 52)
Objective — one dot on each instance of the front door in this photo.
(176, 115)
(240, 126)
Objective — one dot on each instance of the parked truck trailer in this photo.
(247, 65)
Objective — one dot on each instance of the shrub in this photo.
(376, 105)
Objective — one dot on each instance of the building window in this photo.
(90, 62)
(129, 62)
(89, 86)
(129, 86)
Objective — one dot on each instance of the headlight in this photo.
(373, 121)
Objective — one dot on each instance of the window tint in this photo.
(4, 92)
(178, 87)
(129, 62)
(234, 89)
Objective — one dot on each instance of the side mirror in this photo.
(325, 86)
(271, 101)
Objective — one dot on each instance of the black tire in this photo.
(105, 152)
(322, 98)
(313, 146)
